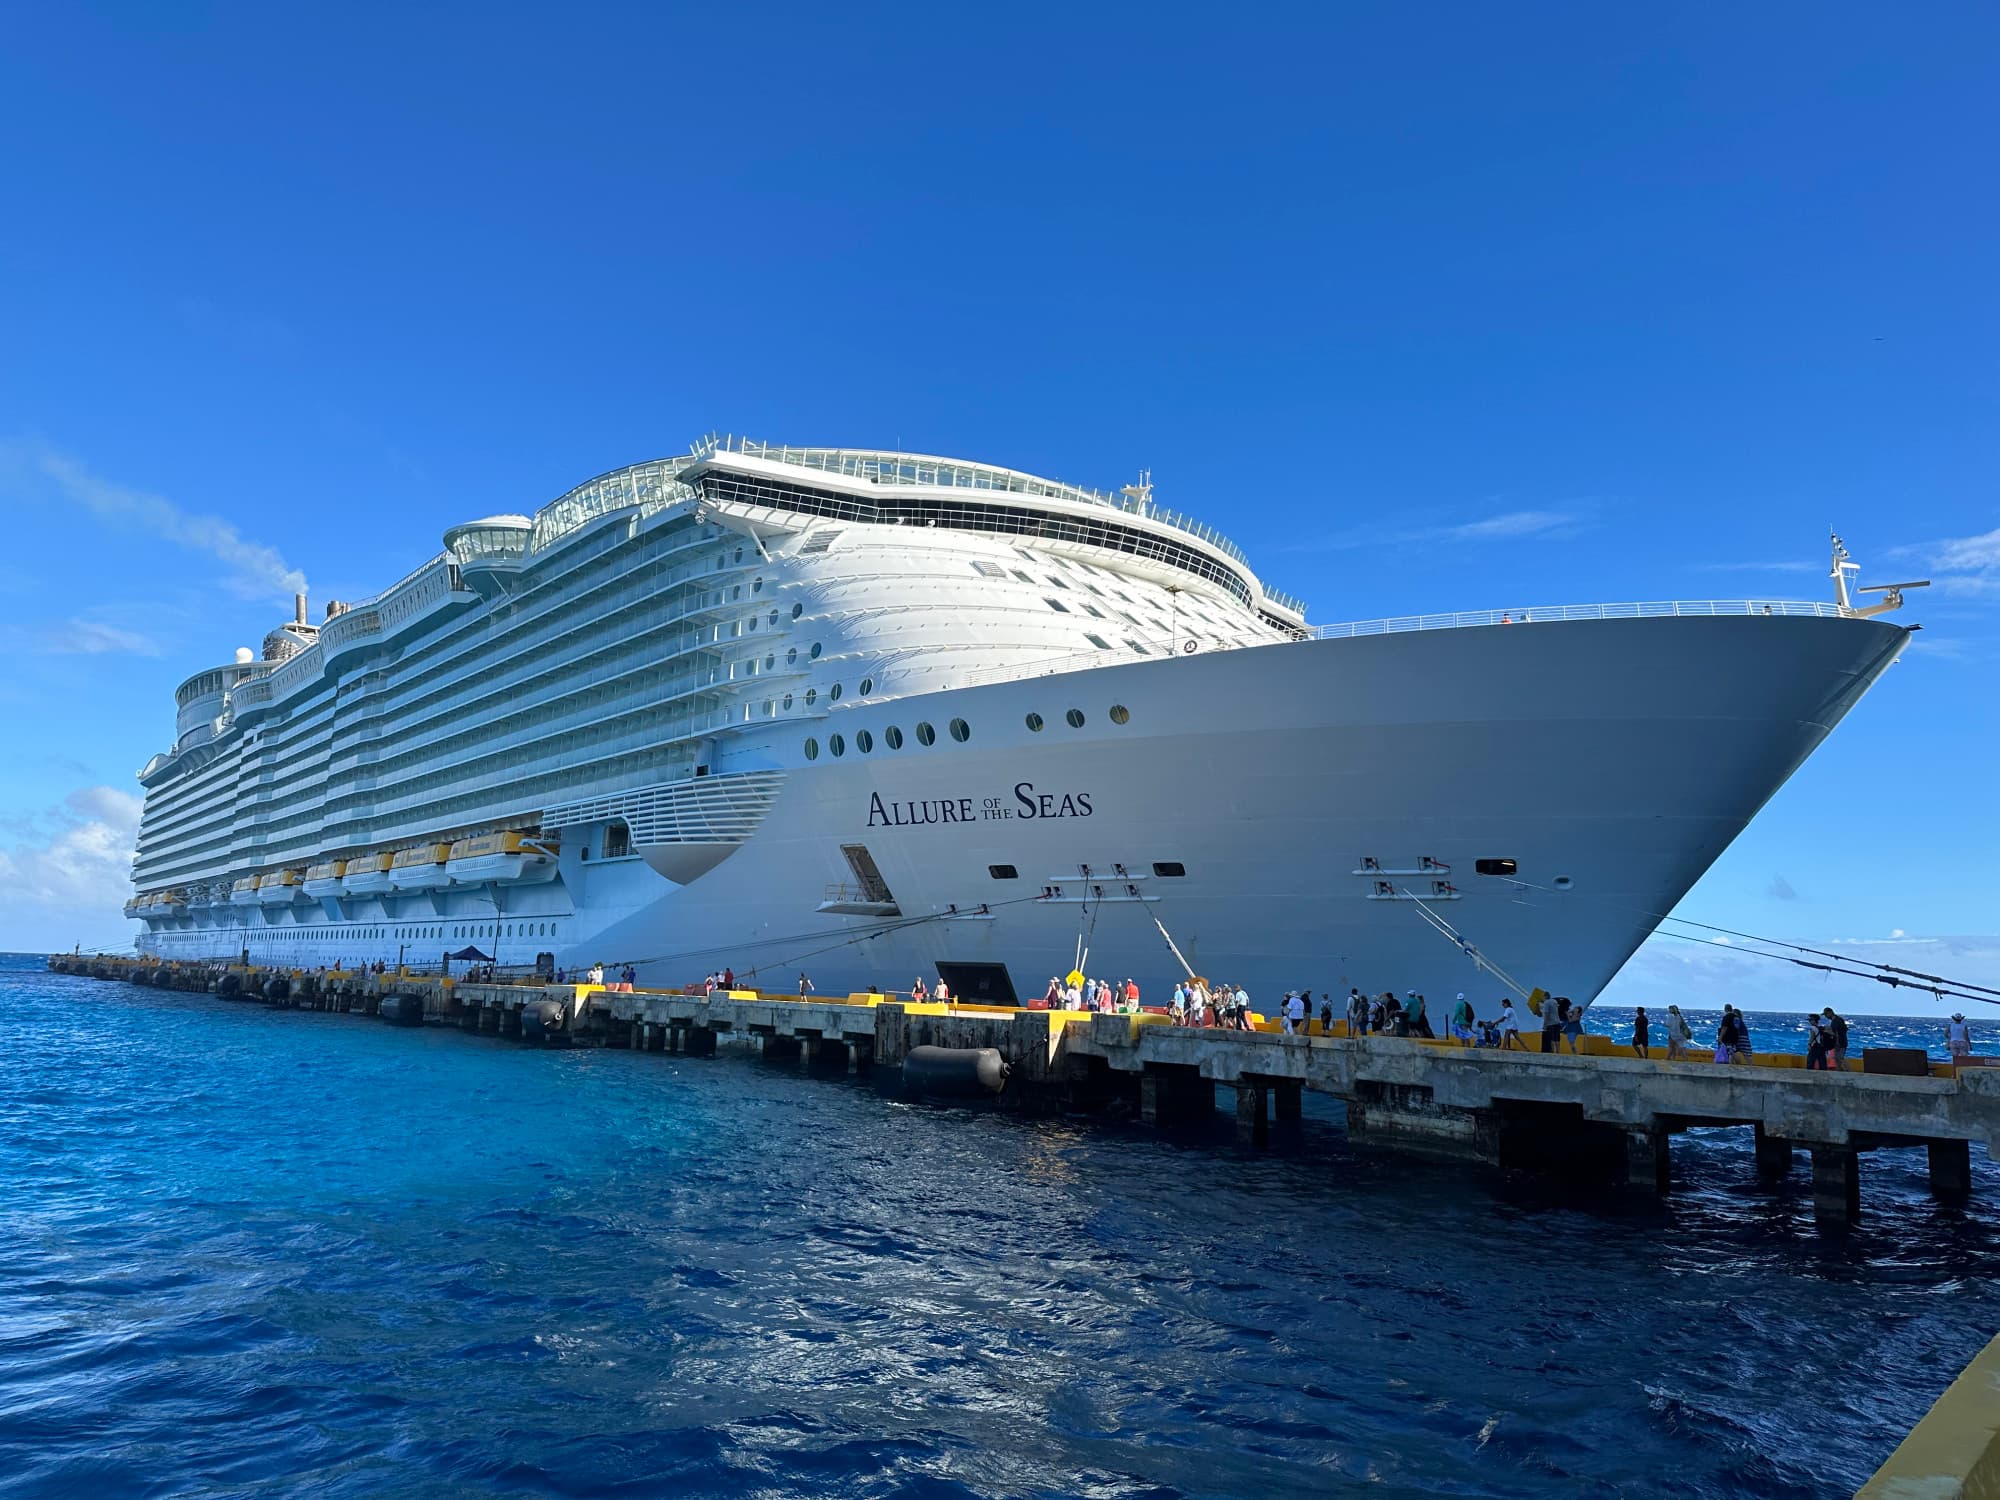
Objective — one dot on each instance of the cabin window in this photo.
(863, 741)
(812, 748)
(1074, 718)
(1169, 869)
(1035, 723)
(925, 734)
(1120, 714)
(1003, 872)
(893, 737)
(960, 730)
(1495, 866)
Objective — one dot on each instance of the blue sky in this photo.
(1430, 308)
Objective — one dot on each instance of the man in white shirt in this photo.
(1295, 1015)
(1510, 1028)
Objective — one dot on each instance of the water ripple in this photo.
(248, 1253)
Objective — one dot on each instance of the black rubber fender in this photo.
(402, 1010)
(277, 988)
(955, 1072)
(542, 1019)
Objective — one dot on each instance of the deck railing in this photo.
(1547, 612)
(1183, 647)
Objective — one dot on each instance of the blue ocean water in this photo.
(246, 1252)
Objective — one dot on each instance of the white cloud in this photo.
(1507, 526)
(256, 571)
(1968, 566)
(71, 874)
(1896, 932)
(1514, 523)
(81, 636)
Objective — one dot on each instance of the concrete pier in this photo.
(1609, 1118)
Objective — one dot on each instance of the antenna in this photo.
(1843, 565)
(1140, 494)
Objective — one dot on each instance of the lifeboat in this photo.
(244, 892)
(280, 887)
(136, 906)
(420, 868)
(324, 878)
(512, 857)
(172, 903)
(368, 874)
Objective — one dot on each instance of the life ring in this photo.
(1189, 648)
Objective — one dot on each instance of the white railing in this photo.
(1548, 612)
(1187, 646)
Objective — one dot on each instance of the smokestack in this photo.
(299, 609)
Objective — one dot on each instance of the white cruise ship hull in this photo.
(1611, 760)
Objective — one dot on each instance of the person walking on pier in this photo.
(1552, 1024)
(1461, 1020)
(805, 985)
(1572, 1024)
(1958, 1037)
(1836, 1028)
(1295, 1015)
(1642, 1034)
(1357, 1012)
(1510, 1026)
(1678, 1034)
(1818, 1044)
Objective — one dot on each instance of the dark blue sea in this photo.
(248, 1252)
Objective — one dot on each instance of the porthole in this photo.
(792, 656)
(960, 730)
(867, 686)
(1035, 723)
(812, 749)
(752, 623)
(1120, 714)
(812, 696)
(893, 737)
(836, 744)
(756, 585)
(925, 734)
(814, 653)
(788, 701)
(863, 741)
(833, 693)
(1562, 882)
(774, 617)
(1074, 718)
(736, 592)
(739, 554)
(771, 660)
(797, 610)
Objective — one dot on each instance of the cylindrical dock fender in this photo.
(162, 977)
(954, 1072)
(543, 1020)
(277, 989)
(229, 986)
(402, 1010)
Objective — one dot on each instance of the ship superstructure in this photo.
(878, 714)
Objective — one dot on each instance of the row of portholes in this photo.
(833, 696)
(1120, 714)
(892, 737)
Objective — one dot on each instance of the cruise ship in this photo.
(871, 716)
